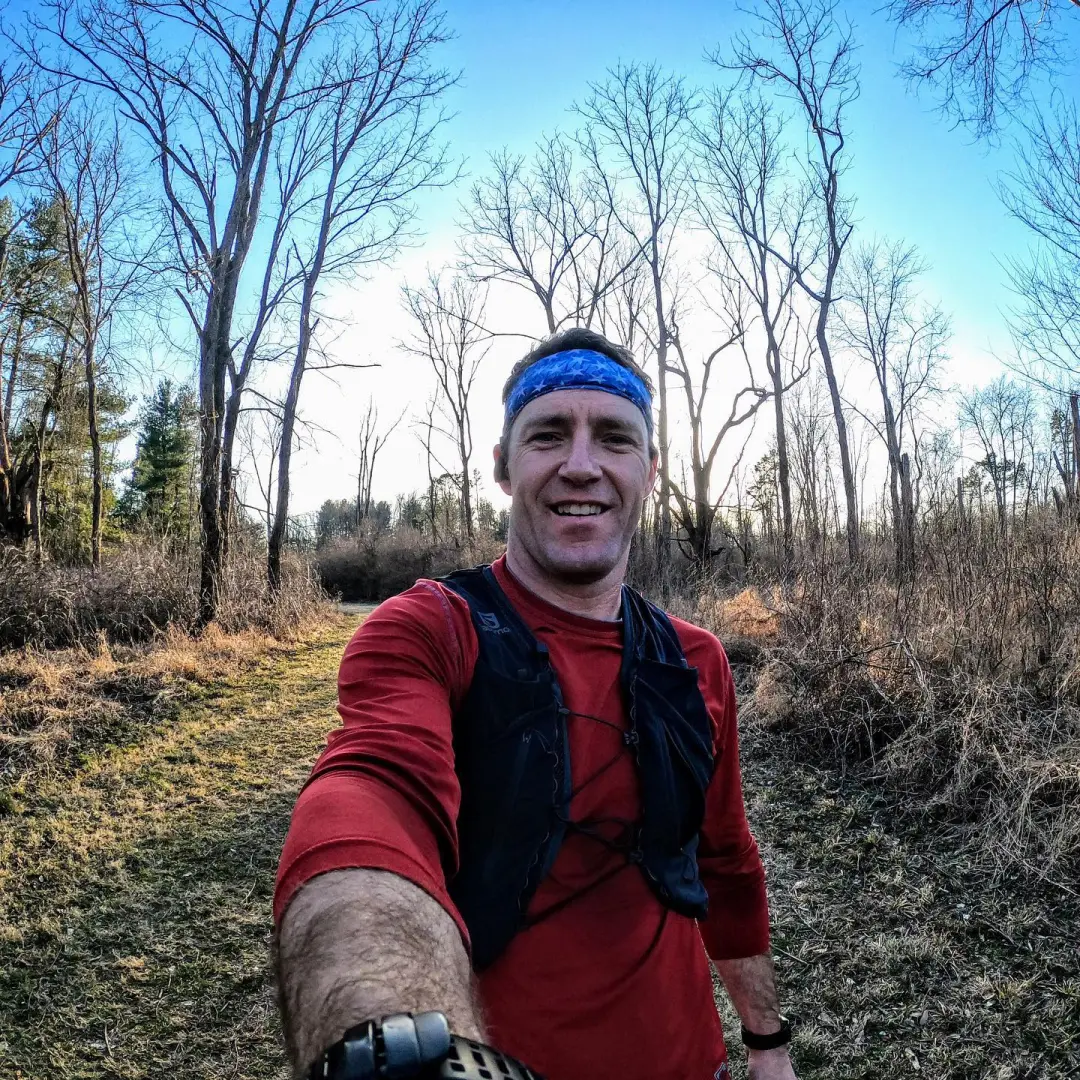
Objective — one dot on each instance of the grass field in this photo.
(137, 864)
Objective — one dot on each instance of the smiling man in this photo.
(527, 840)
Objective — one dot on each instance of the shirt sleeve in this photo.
(384, 795)
(728, 859)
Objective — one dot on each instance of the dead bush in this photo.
(959, 690)
(375, 566)
(138, 593)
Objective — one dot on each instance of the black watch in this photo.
(753, 1041)
(403, 1046)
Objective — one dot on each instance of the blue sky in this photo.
(524, 64)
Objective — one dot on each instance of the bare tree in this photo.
(545, 226)
(427, 431)
(903, 342)
(812, 63)
(21, 134)
(105, 247)
(372, 441)
(1002, 417)
(449, 336)
(749, 205)
(623, 313)
(980, 54)
(373, 140)
(207, 86)
(1043, 192)
(638, 126)
(698, 507)
(811, 459)
(260, 431)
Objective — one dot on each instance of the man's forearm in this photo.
(751, 985)
(355, 944)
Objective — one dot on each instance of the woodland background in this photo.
(892, 560)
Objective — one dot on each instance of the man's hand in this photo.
(769, 1064)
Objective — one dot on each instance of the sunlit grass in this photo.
(137, 873)
(136, 880)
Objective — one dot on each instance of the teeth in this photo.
(579, 509)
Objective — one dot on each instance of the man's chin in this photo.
(581, 567)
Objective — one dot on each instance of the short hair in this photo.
(577, 337)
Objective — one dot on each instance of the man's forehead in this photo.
(590, 406)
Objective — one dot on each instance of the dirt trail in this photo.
(135, 897)
(135, 909)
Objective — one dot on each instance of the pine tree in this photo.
(159, 494)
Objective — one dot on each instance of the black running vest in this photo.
(512, 758)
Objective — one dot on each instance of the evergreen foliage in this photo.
(160, 495)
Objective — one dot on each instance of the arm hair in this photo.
(361, 944)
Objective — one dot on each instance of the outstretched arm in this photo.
(365, 924)
(360, 944)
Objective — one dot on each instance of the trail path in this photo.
(134, 926)
(135, 910)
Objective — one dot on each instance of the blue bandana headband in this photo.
(578, 369)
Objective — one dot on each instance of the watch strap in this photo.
(403, 1046)
(773, 1041)
(469, 1060)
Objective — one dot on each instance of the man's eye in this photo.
(544, 437)
(619, 440)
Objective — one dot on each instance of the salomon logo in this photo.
(490, 623)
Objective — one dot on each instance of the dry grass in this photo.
(136, 877)
(139, 593)
(136, 883)
(59, 707)
(371, 567)
(958, 693)
(898, 955)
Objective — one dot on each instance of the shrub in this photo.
(373, 567)
(137, 593)
(959, 691)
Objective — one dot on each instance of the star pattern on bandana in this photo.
(579, 369)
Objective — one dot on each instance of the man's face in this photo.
(579, 468)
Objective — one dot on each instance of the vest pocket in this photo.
(674, 726)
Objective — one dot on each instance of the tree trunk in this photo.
(783, 473)
(35, 509)
(1074, 413)
(841, 426)
(95, 454)
(664, 535)
(7, 480)
(895, 459)
(32, 510)
(212, 360)
(276, 541)
(466, 492)
(907, 521)
(228, 442)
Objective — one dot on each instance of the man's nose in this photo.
(580, 465)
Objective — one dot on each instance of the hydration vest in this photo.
(512, 757)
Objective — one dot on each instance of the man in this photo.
(532, 820)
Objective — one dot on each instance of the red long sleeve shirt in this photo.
(613, 984)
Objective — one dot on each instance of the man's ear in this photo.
(654, 468)
(502, 474)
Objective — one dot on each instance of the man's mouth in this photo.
(578, 509)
